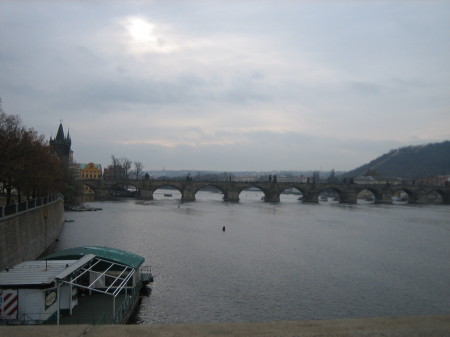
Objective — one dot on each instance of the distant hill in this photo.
(410, 162)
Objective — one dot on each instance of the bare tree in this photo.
(126, 165)
(116, 169)
(138, 166)
(119, 169)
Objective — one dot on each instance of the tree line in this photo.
(28, 169)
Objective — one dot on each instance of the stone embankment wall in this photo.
(27, 234)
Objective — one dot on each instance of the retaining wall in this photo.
(27, 234)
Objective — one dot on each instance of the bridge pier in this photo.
(446, 198)
(231, 195)
(187, 194)
(420, 197)
(271, 196)
(311, 197)
(348, 197)
(147, 194)
(383, 197)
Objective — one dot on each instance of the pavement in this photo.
(409, 326)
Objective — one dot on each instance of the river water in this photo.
(285, 261)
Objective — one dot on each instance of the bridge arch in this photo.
(167, 190)
(252, 192)
(366, 196)
(96, 187)
(403, 195)
(436, 196)
(212, 188)
(121, 189)
(372, 194)
(89, 185)
(331, 193)
(291, 194)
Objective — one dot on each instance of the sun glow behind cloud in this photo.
(141, 30)
(142, 36)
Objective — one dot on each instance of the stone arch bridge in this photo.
(417, 194)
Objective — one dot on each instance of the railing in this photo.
(146, 274)
(126, 305)
(128, 302)
(27, 205)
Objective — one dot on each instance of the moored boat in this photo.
(83, 285)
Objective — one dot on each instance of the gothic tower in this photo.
(61, 146)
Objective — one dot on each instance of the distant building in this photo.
(61, 146)
(436, 181)
(90, 171)
(246, 178)
(369, 180)
(366, 180)
(75, 170)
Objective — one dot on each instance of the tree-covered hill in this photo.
(409, 162)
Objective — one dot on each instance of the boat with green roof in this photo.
(81, 285)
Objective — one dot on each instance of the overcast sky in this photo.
(229, 85)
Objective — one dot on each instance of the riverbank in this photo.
(28, 229)
(411, 326)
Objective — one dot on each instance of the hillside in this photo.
(410, 162)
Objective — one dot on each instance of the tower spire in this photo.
(60, 133)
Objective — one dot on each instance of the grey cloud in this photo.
(366, 88)
(187, 88)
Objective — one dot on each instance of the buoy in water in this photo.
(223, 229)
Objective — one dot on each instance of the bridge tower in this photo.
(61, 146)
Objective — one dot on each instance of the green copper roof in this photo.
(106, 253)
(98, 166)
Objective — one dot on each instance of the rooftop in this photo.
(106, 253)
(34, 273)
(97, 166)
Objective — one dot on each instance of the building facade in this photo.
(90, 171)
